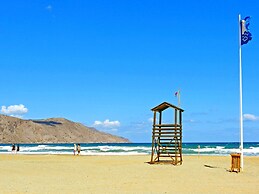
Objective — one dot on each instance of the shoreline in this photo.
(124, 174)
(116, 154)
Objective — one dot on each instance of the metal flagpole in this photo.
(241, 95)
(177, 94)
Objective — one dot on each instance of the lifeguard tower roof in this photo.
(165, 105)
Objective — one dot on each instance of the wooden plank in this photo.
(168, 141)
(172, 155)
(167, 125)
(160, 132)
(164, 135)
(167, 156)
(169, 147)
(167, 129)
(176, 131)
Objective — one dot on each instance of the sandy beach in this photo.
(124, 174)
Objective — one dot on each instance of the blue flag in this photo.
(246, 36)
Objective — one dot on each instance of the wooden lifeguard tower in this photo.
(167, 138)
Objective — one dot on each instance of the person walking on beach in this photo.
(13, 148)
(17, 148)
(78, 149)
(75, 148)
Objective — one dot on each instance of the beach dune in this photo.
(124, 174)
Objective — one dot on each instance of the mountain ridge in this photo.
(51, 130)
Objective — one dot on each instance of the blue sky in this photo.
(107, 63)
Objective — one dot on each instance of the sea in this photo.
(87, 149)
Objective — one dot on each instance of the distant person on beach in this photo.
(78, 149)
(75, 148)
(13, 148)
(17, 148)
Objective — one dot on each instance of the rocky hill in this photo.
(53, 130)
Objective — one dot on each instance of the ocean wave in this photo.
(250, 149)
(221, 150)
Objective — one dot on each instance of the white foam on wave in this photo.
(221, 150)
(208, 149)
(88, 153)
(218, 150)
(5, 148)
(252, 151)
(123, 148)
(43, 148)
